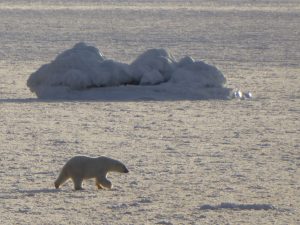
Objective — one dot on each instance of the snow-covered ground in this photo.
(191, 161)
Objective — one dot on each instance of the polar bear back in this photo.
(89, 167)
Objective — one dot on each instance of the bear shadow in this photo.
(39, 191)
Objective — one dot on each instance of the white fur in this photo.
(79, 168)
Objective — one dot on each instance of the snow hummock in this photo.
(235, 206)
(79, 72)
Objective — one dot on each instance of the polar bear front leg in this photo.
(102, 182)
(98, 185)
(77, 183)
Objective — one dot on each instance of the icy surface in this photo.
(84, 67)
(181, 154)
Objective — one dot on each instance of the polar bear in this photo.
(79, 168)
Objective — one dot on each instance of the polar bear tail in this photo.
(61, 178)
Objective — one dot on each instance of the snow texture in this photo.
(84, 67)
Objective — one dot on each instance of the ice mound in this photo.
(155, 74)
(153, 67)
(79, 68)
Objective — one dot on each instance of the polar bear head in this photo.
(113, 165)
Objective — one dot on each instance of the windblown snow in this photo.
(155, 74)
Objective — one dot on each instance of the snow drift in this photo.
(156, 74)
(234, 206)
